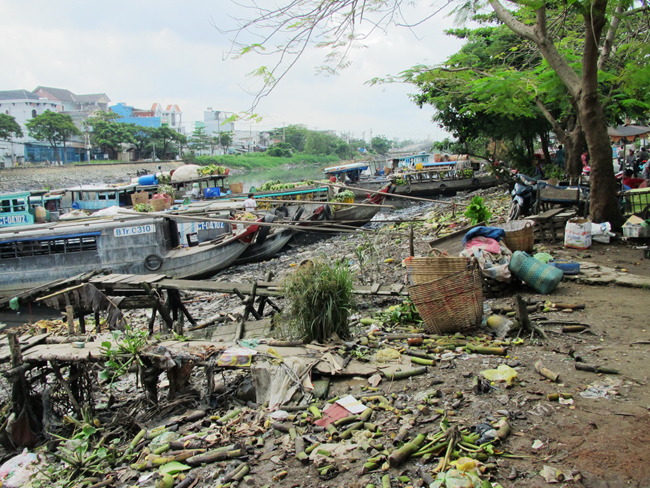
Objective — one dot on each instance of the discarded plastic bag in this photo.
(17, 472)
(601, 232)
(544, 257)
(502, 373)
(500, 325)
(577, 234)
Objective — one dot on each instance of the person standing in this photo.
(621, 158)
(250, 205)
(630, 160)
(559, 156)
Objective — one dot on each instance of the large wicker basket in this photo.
(157, 204)
(450, 304)
(422, 270)
(520, 235)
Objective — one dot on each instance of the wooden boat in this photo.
(37, 254)
(268, 248)
(358, 216)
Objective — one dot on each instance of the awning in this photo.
(628, 132)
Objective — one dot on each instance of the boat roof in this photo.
(61, 228)
(15, 194)
(344, 168)
(103, 188)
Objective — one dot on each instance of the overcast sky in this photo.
(145, 51)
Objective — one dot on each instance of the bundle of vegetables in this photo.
(245, 216)
(345, 195)
(143, 207)
(267, 186)
(401, 182)
(212, 169)
(466, 173)
(167, 190)
(278, 185)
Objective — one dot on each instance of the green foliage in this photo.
(143, 207)
(124, 354)
(342, 196)
(554, 171)
(381, 145)
(320, 298)
(280, 150)
(164, 136)
(252, 161)
(108, 133)
(199, 140)
(53, 127)
(294, 135)
(477, 211)
(9, 127)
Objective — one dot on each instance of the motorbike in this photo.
(524, 197)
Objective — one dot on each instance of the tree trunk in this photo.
(56, 153)
(543, 136)
(603, 199)
(574, 147)
(65, 156)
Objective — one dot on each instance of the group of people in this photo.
(633, 165)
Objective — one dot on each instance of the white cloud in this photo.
(146, 51)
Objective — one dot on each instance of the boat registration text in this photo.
(135, 230)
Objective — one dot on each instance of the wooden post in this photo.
(69, 312)
(164, 312)
(183, 308)
(453, 208)
(152, 320)
(98, 327)
(209, 375)
(411, 244)
(17, 393)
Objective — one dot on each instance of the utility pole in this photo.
(370, 138)
(283, 133)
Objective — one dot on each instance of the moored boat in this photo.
(37, 254)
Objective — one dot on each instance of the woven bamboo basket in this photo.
(157, 204)
(520, 235)
(450, 304)
(422, 270)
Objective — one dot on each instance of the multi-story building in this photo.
(155, 117)
(24, 105)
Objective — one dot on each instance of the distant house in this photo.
(24, 106)
(79, 107)
(172, 117)
(137, 116)
(157, 116)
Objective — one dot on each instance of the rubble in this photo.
(388, 406)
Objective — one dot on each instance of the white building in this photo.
(24, 106)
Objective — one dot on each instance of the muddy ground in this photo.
(600, 442)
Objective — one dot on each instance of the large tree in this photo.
(164, 136)
(112, 135)
(55, 128)
(335, 24)
(381, 144)
(9, 128)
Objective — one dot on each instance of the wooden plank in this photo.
(116, 278)
(26, 343)
(100, 279)
(153, 278)
(375, 288)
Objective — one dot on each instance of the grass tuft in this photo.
(320, 298)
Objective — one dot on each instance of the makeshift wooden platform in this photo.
(115, 282)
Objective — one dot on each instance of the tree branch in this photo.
(557, 128)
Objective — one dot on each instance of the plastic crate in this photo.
(636, 231)
(567, 267)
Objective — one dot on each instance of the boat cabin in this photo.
(97, 197)
(210, 186)
(346, 173)
(15, 209)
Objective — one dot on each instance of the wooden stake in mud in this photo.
(524, 320)
(411, 245)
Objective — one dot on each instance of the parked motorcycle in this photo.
(524, 197)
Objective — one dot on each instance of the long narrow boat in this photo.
(37, 254)
(358, 216)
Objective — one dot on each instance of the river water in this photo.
(257, 178)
